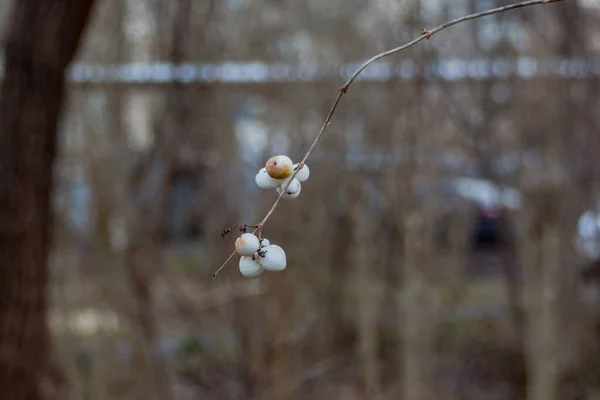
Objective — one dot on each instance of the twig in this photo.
(425, 34)
(312, 146)
(242, 227)
(223, 265)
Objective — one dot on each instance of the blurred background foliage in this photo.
(446, 245)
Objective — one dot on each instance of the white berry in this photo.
(290, 194)
(273, 258)
(303, 174)
(250, 268)
(265, 242)
(247, 244)
(293, 187)
(280, 167)
(264, 181)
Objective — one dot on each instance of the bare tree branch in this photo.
(425, 34)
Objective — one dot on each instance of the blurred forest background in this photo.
(445, 247)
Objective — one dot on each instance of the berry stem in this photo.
(222, 266)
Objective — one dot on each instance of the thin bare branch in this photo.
(223, 265)
(425, 34)
(312, 146)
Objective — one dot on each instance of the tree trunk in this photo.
(417, 304)
(369, 301)
(41, 42)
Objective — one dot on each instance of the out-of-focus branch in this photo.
(425, 34)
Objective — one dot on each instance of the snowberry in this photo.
(247, 244)
(272, 258)
(303, 174)
(293, 187)
(264, 181)
(265, 242)
(292, 191)
(279, 167)
(250, 268)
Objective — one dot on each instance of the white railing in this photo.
(259, 72)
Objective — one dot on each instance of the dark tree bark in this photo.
(42, 40)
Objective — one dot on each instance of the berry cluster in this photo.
(277, 173)
(258, 255)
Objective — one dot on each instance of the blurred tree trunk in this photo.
(551, 228)
(365, 260)
(41, 42)
(145, 254)
(417, 294)
(416, 322)
(541, 252)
